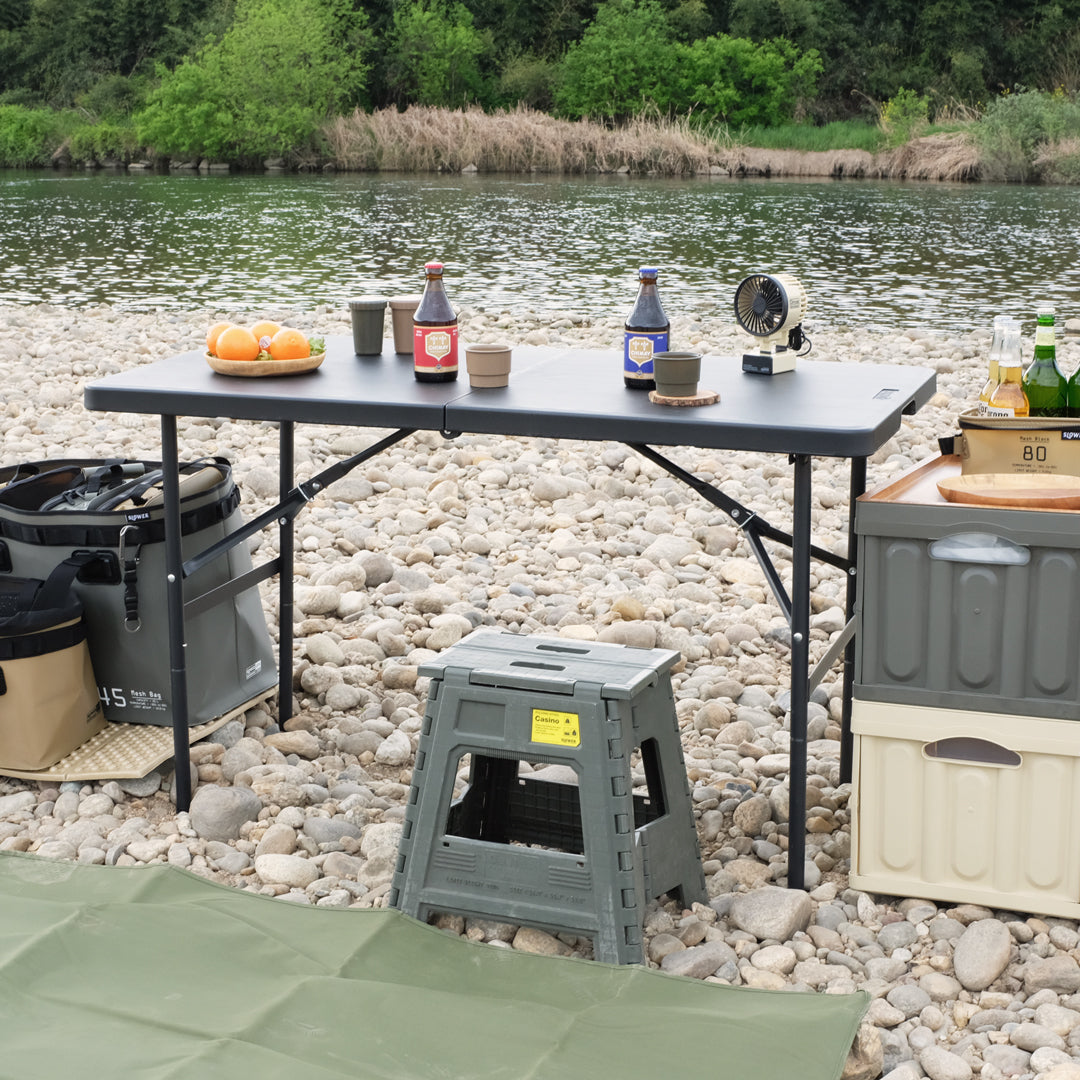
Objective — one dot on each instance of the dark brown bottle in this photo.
(435, 331)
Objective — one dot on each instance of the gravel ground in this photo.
(584, 541)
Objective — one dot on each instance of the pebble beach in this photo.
(574, 540)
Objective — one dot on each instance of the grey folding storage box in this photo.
(549, 829)
(967, 607)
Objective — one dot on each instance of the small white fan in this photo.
(771, 308)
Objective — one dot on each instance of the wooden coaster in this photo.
(702, 397)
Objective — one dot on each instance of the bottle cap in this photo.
(433, 267)
(647, 271)
(1045, 309)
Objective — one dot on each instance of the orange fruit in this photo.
(237, 343)
(214, 333)
(289, 344)
(265, 329)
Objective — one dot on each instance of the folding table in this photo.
(821, 409)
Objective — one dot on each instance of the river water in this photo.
(881, 255)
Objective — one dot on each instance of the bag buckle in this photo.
(130, 546)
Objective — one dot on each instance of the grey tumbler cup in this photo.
(368, 314)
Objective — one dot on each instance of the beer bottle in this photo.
(1044, 384)
(646, 332)
(435, 331)
(1009, 399)
(995, 357)
(1073, 394)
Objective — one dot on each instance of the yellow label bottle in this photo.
(1009, 399)
(993, 378)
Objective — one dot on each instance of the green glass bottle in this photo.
(1046, 387)
(1072, 394)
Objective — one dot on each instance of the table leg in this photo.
(847, 741)
(285, 576)
(800, 666)
(174, 594)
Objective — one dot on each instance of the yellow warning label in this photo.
(555, 728)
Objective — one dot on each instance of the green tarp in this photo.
(154, 973)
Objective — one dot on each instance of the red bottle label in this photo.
(435, 348)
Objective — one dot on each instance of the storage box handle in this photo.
(980, 547)
(969, 750)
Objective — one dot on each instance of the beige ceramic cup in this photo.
(401, 314)
(488, 365)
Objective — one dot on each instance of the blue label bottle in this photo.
(647, 331)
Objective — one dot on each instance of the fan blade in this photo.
(761, 305)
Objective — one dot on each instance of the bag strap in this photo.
(12, 474)
(97, 484)
(54, 591)
(53, 594)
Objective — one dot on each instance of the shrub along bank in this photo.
(1026, 137)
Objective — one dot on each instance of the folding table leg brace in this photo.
(796, 609)
(292, 498)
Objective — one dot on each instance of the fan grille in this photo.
(761, 304)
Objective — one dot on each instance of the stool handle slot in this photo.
(505, 679)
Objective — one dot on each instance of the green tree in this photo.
(13, 13)
(541, 28)
(735, 81)
(434, 53)
(61, 48)
(623, 62)
(528, 80)
(265, 87)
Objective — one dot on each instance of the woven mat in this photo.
(126, 751)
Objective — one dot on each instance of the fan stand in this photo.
(772, 360)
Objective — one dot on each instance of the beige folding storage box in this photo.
(968, 807)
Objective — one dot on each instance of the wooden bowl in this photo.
(255, 368)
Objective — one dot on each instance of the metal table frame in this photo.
(821, 409)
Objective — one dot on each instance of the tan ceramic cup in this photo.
(488, 365)
(401, 315)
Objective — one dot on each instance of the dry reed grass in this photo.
(427, 139)
(1059, 162)
(748, 161)
(951, 156)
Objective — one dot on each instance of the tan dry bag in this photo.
(48, 697)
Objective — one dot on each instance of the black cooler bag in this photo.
(51, 510)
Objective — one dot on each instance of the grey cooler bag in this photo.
(51, 510)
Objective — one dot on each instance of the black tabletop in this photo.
(821, 408)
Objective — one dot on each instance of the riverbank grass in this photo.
(1026, 137)
(426, 139)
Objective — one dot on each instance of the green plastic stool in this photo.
(582, 857)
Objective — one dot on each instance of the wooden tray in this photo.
(255, 368)
(1035, 492)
